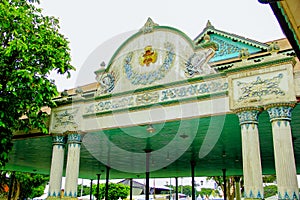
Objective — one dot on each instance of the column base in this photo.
(60, 198)
(53, 198)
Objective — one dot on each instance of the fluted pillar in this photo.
(280, 117)
(251, 153)
(57, 165)
(72, 170)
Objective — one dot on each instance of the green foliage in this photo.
(187, 190)
(270, 190)
(4, 182)
(205, 192)
(269, 178)
(28, 185)
(115, 190)
(85, 190)
(30, 48)
(31, 185)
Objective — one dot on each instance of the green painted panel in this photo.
(228, 48)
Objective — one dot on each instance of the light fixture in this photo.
(183, 136)
(150, 128)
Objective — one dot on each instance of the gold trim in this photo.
(250, 108)
(287, 104)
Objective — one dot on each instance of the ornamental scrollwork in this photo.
(138, 78)
(225, 48)
(107, 82)
(197, 64)
(147, 98)
(65, 120)
(261, 87)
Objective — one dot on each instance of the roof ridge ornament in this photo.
(273, 48)
(209, 25)
(148, 26)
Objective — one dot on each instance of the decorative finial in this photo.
(148, 27)
(209, 25)
(244, 54)
(273, 48)
(102, 64)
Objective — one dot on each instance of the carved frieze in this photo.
(261, 87)
(65, 119)
(165, 95)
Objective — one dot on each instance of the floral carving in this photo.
(147, 98)
(260, 87)
(65, 120)
(159, 96)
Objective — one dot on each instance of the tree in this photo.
(25, 185)
(115, 190)
(230, 185)
(205, 192)
(30, 48)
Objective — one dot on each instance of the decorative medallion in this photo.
(137, 77)
(148, 56)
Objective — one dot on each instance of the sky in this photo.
(95, 28)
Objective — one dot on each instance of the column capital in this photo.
(248, 115)
(280, 111)
(58, 139)
(74, 137)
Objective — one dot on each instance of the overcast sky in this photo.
(89, 24)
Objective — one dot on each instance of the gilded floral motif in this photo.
(138, 78)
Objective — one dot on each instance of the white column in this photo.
(280, 117)
(251, 154)
(57, 165)
(72, 170)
